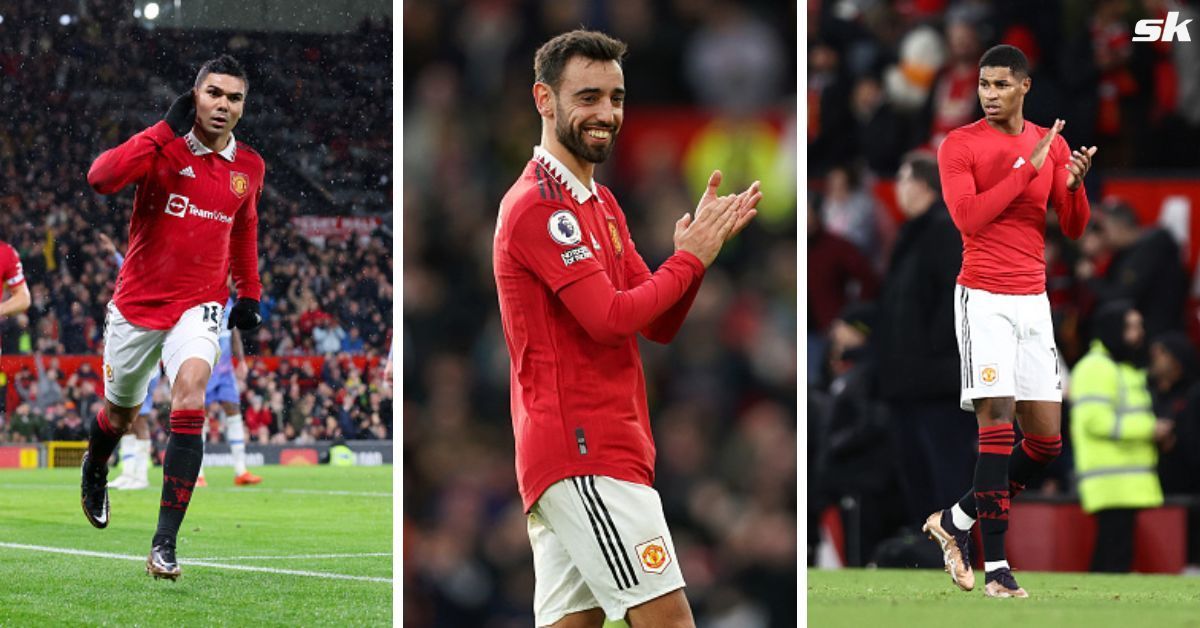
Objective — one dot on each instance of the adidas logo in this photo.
(1016, 164)
(187, 172)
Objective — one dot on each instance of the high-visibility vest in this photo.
(1112, 432)
(341, 456)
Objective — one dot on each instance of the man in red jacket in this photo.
(574, 294)
(195, 219)
(998, 174)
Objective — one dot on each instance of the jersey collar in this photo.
(198, 149)
(579, 191)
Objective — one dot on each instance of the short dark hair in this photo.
(1117, 210)
(553, 56)
(924, 168)
(1005, 56)
(224, 64)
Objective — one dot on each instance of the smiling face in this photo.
(1001, 93)
(588, 108)
(220, 99)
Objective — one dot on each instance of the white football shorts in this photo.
(132, 353)
(1005, 346)
(599, 542)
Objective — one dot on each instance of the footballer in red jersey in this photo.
(195, 220)
(14, 285)
(574, 294)
(998, 175)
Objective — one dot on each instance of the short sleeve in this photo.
(548, 240)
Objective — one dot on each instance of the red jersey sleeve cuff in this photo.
(692, 261)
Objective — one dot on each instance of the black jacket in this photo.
(1149, 273)
(915, 341)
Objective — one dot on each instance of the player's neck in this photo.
(1012, 126)
(583, 170)
(215, 143)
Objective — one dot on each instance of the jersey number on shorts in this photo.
(212, 314)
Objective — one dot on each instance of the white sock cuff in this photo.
(993, 565)
(961, 520)
(235, 428)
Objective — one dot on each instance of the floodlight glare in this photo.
(151, 10)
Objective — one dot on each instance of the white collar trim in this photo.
(198, 149)
(578, 190)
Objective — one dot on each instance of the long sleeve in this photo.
(971, 209)
(664, 328)
(118, 167)
(243, 244)
(1072, 207)
(610, 316)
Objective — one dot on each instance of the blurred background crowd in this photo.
(887, 443)
(709, 86)
(77, 78)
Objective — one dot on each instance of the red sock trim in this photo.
(996, 439)
(1042, 449)
(105, 426)
(187, 421)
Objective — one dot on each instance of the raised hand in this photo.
(1042, 149)
(1081, 162)
(704, 235)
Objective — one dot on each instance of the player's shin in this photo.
(1029, 459)
(235, 433)
(181, 465)
(991, 489)
(102, 440)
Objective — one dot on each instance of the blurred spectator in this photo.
(734, 61)
(916, 347)
(881, 133)
(922, 53)
(1114, 431)
(1146, 268)
(829, 115)
(849, 210)
(259, 419)
(1175, 389)
(328, 336)
(837, 274)
(858, 467)
(955, 97)
(49, 391)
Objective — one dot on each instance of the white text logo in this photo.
(1163, 30)
(178, 205)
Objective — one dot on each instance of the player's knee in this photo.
(187, 398)
(995, 411)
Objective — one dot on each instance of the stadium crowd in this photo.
(722, 394)
(896, 77)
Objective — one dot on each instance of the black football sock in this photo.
(181, 466)
(991, 488)
(102, 440)
(1029, 459)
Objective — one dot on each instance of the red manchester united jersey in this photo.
(10, 267)
(195, 218)
(578, 397)
(998, 200)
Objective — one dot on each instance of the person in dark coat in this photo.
(1146, 268)
(1175, 391)
(918, 366)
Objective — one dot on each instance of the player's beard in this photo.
(575, 141)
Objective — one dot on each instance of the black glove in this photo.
(244, 315)
(182, 113)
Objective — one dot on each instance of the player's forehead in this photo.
(993, 74)
(584, 73)
(226, 83)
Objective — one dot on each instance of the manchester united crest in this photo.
(653, 555)
(239, 182)
(615, 234)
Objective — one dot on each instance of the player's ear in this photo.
(543, 98)
(1026, 83)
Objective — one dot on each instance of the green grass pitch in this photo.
(309, 546)
(886, 597)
